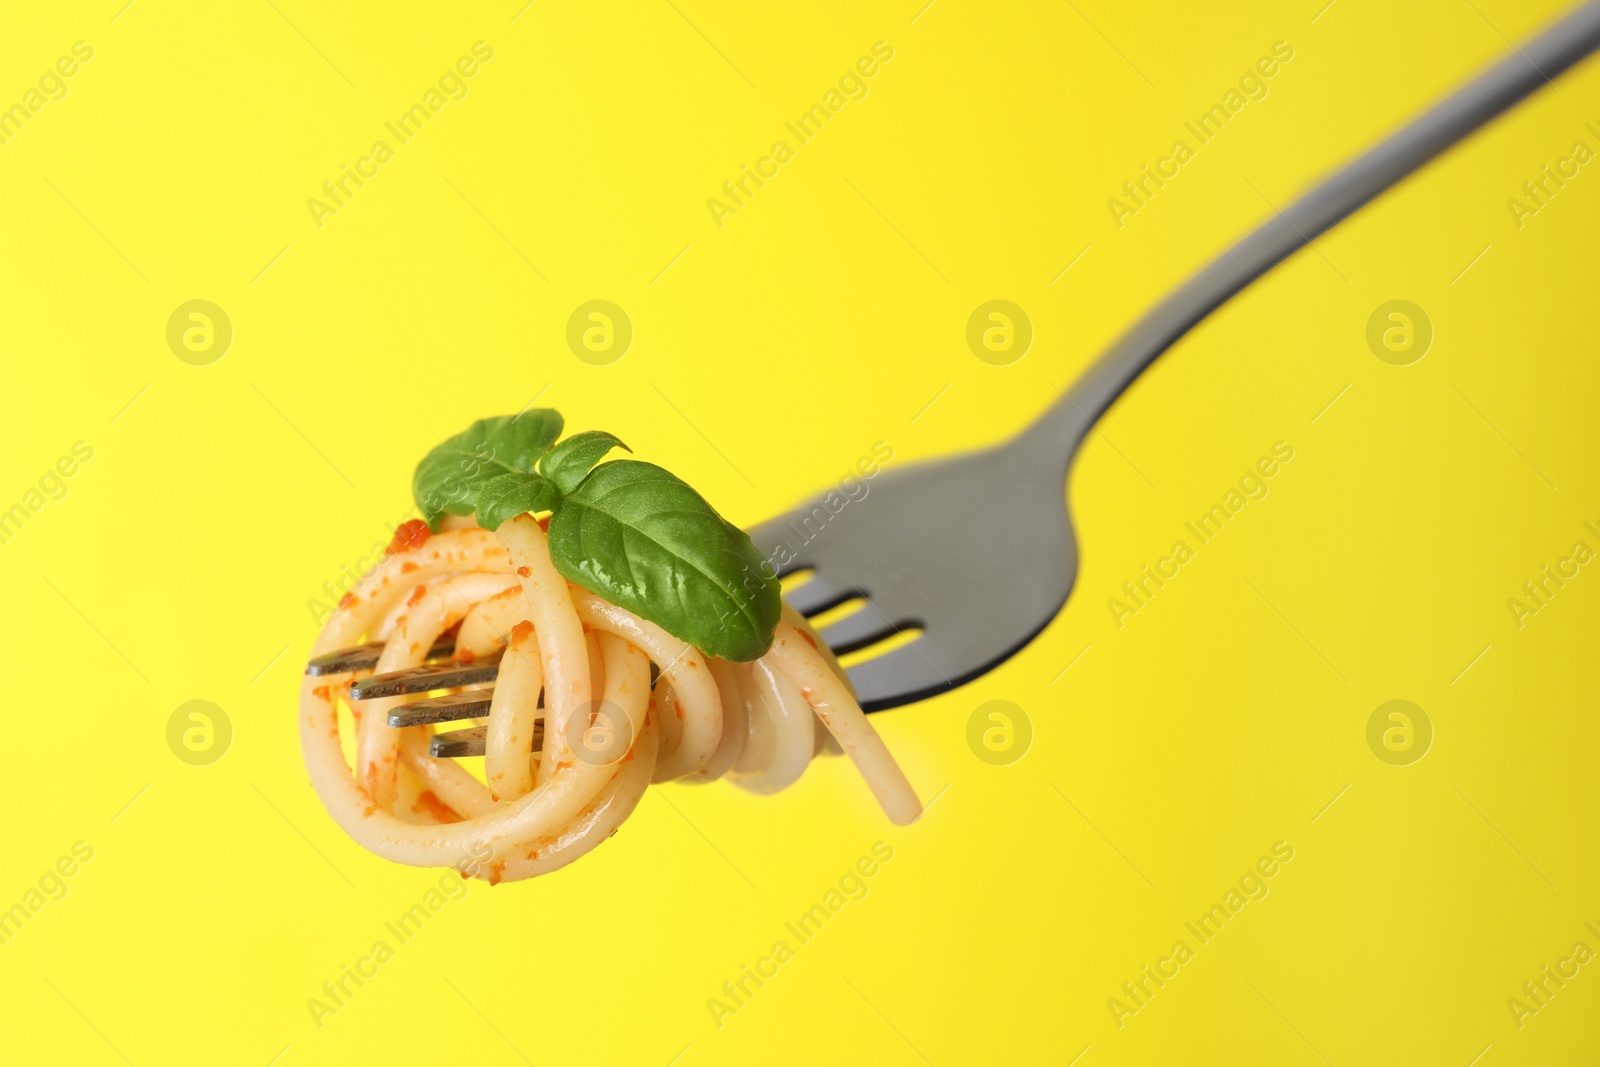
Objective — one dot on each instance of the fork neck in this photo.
(1522, 71)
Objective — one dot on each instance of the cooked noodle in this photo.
(607, 734)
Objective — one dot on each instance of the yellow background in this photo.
(767, 359)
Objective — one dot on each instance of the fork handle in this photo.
(1060, 430)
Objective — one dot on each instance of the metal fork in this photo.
(438, 671)
(977, 551)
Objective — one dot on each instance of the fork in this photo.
(977, 551)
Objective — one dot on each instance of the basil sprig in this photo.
(626, 530)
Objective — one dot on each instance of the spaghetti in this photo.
(579, 666)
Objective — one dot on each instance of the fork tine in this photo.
(860, 629)
(472, 704)
(468, 742)
(422, 679)
(818, 595)
(365, 657)
(472, 741)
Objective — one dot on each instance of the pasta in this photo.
(607, 731)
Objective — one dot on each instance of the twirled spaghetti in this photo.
(754, 723)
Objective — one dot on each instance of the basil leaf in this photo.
(636, 535)
(627, 530)
(567, 463)
(489, 467)
(509, 495)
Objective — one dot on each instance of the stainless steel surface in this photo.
(365, 657)
(472, 704)
(446, 675)
(471, 741)
(468, 742)
(978, 550)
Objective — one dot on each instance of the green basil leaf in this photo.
(567, 463)
(509, 495)
(493, 462)
(636, 535)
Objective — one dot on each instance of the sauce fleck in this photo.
(412, 533)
